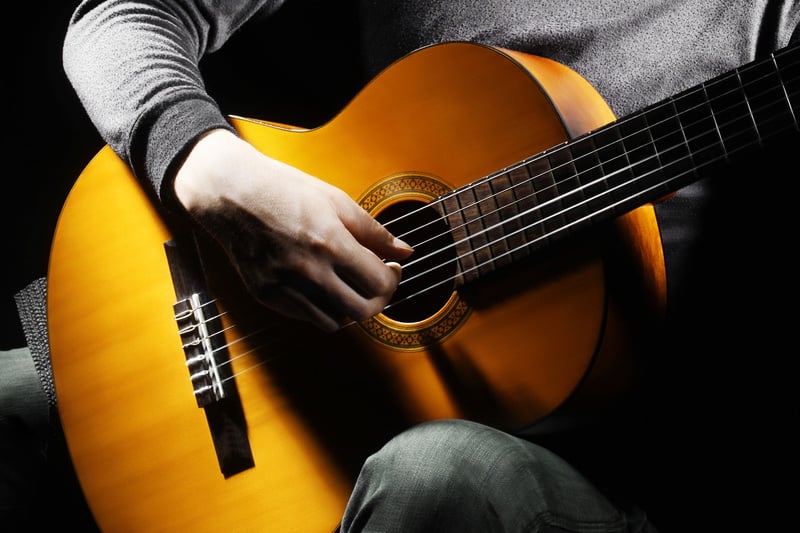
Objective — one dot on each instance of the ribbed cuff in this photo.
(170, 136)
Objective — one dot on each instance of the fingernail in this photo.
(402, 244)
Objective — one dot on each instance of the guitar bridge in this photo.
(207, 358)
(194, 316)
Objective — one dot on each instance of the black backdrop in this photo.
(728, 394)
(49, 138)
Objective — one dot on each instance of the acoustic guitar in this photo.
(537, 278)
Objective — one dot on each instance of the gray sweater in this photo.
(145, 94)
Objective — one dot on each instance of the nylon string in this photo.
(539, 206)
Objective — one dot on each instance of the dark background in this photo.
(48, 141)
(50, 138)
(728, 395)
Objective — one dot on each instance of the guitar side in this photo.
(316, 405)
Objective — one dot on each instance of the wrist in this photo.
(198, 176)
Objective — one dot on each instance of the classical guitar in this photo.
(538, 274)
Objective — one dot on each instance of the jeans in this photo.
(455, 475)
(24, 433)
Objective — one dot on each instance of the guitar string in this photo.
(624, 120)
(771, 104)
(588, 136)
(534, 177)
(527, 161)
(559, 198)
(273, 357)
(556, 184)
(260, 347)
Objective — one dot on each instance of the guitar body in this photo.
(556, 334)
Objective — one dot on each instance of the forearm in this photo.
(135, 68)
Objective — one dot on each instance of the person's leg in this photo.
(24, 433)
(455, 475)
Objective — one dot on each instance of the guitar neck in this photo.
(623, 165)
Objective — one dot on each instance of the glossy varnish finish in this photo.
(316, 405)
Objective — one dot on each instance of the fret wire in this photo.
(783, 87)
(716, 123)
(749, 109)
(623, 202)
(601, 131)
(610, 207)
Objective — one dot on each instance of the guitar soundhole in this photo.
(429, 274)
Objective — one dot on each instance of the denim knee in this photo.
(24, 431)
(465, 476)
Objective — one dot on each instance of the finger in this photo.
(358, 261)
(372, 235)
(340, 298)
(300, 304)
(364, 272)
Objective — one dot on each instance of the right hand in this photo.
(303, 247)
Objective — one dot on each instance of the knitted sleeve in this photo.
(135, 68)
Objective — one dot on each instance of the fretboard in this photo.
(623, 165)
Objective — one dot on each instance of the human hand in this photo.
(303, 247)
